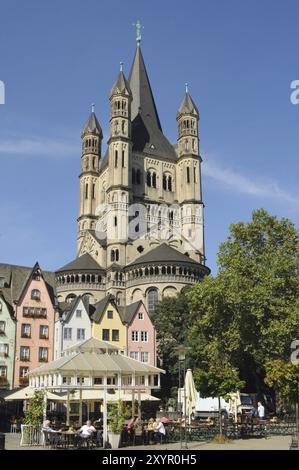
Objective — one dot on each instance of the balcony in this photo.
(35, 314)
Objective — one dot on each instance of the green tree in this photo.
(35, 410)
(219, 380)
(249, 312)
(283, 377)
(172, 321)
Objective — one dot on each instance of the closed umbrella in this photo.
(191, 394)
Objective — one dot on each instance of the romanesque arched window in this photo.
(152, 300)
(138, 176)
(133, 176)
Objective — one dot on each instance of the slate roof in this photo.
(163, 253)
(121, 85)
(187, 106)
(100, 307)
(147, 135)
(83, 263)
(127, 313)
(17, 276)
(92, 126)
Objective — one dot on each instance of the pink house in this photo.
(34, 310)
(141, 333)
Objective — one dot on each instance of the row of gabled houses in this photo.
(36, 328)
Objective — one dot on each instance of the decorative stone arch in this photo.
(169, 291)
(136, 295)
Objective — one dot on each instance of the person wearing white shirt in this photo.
(160, 432)
(86, 430)
(260, 410)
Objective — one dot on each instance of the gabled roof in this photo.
(187, 106)
(16, 278)
(128, 312)
(121, 85)
(83, 263)
(163, 253)
(92, 126)
(100, 307)
(68, 308)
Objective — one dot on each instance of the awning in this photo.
(28, 392)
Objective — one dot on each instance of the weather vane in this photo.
(139, 27)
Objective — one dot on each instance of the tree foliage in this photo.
(283, 377)
(35, 410)
(249, 312)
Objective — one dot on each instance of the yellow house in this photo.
(107, 324)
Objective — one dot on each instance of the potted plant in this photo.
(116, 422)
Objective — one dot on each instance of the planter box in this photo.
(113, 440)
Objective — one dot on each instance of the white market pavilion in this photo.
(93, 368)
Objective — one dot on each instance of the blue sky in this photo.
(58, 57)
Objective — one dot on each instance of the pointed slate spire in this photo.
(143, 101)
(121, 85)
(92, 125)
(187, 105)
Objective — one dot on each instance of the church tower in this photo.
(92, 136)
(189, 177)
(119, 165)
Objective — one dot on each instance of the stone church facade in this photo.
(141, 213)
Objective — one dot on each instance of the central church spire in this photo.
(143, 100)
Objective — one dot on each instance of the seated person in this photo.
(160, 432)
(87, 430)
(46, 426)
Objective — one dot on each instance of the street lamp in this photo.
(181, 353)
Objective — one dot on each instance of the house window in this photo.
(86, 191)
(98, 381)
(2, 327)
(141, 380)
(66, 380)
(43, 354)
(152, 300)
(25, 353)
(3, 371)
(44, 332)
(123, 159)
(35, 294)
(78, 313)
(110, 314)
(3, 350)
(25, 330)
(140, 316)
(134, 355)
(116, 157)
(93, 191)
(80, 333)
(115, 335)
(111, 380)
(105, 335)
(23, 372)
(135, 336)
(144, 336)
(144, 356)
(67, 333)
(138, 176)
(188, 174)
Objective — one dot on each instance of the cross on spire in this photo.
(92, 107)
(138, 27)
(121, 66)
(186, 88)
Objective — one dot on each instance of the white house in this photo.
(72, 326)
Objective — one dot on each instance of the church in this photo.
(141, 221)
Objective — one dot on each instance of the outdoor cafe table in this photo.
(68, 438)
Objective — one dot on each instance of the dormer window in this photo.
(35, 294)
(36, 276)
